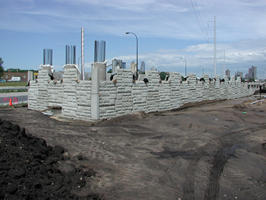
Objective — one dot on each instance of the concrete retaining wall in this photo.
(97, 99)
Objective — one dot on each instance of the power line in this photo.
(198, 17)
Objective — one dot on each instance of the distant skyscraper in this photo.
(227, 73)
(142, 66)
(70, 54)
(99, 51)
(47, 56)
(124, 65)
(252, 72)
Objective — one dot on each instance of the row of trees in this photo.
(1, 68)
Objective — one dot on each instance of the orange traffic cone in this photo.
(10, 102)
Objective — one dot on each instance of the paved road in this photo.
(16, 97)
(13, 87)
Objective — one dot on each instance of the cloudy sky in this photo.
(169, 31)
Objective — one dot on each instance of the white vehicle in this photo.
(15, 79)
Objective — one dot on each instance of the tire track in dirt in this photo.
(229, 144)
(188, 188)
(220, 159)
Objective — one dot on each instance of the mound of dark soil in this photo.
(29, 168)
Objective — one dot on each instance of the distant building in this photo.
(252, 73)
(70, 54)
(58, 75)
(133, 67)
(24, 75)
(239, 74)
(142, 67)
(99, 51)
(124, 65)
(87, 75)
(48, 57)
(154, 68)
(227, 73)
(116, 64)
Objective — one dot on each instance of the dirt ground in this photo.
(29, 169)
(207, 152)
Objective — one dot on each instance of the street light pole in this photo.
(185, 66)
(185, 62)
(137, 53)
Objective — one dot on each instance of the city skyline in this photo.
(169, 30)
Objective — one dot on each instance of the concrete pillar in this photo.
(98, 74)
(43, 81)
(71, 75)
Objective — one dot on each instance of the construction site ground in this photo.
(204, 152)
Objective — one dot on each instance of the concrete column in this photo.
(70, 78)
(98, 74)
(43, 81)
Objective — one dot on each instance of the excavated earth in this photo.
(203, 152)
(29, 169)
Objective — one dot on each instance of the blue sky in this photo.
(168, 30)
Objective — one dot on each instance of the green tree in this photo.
(1, 68)
(162, 75)
(109, 71)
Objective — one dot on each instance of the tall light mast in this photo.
(214, 46)
(82, 53)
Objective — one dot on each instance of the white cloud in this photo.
(239, 19)
(201, 56)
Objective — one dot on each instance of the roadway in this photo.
(16, 97)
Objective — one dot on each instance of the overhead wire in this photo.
(198, 17)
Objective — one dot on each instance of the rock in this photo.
(16, 173)
(66, 156)
(66, 168)
(11, 189)
(59, 149)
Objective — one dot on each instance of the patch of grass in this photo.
(13, 84)
(14, 90)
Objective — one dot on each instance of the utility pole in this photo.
(185, 67)
(137, 54)
(82, 53)
(224, 64)
(214, 46)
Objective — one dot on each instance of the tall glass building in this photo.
(47, 56)
(70, 54)
(99, 51)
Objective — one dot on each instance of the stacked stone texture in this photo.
(83, 96)
(124, 100)
(139, 96)
(174, 81)
(55, 94)
(33, 94)
(70, 105)
(123, 96)
(191, 88)
(43, 81)
(153, 96)
(107, 99)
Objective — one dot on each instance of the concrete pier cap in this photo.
(71, 72)
(47, 67)
(71, 66)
